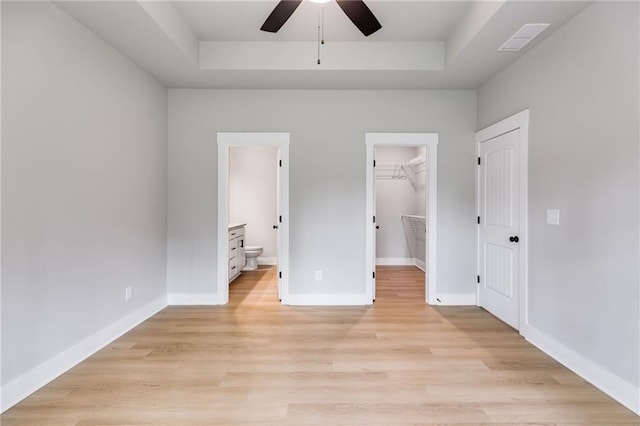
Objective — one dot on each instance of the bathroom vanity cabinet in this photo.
(237, 258)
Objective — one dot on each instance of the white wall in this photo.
(394, 198)
(581, 85)
(84, 160)
(327, 167)
(253, 194)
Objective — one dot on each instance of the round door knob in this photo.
(275, 226)
(377, 226)
(514, 239)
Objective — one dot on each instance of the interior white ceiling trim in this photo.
(164, 39)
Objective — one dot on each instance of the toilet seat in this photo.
(251, 254)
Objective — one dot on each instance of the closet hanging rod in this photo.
(390, 171)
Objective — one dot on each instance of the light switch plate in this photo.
(128, 293)
(553, 217)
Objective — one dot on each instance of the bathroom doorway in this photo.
(401, 216)
(253, 213)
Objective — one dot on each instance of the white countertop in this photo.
(236, 225)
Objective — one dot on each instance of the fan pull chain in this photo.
(322, 40)
(319, 23)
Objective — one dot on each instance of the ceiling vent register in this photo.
(521, 38)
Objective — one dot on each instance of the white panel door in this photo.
(499, 234)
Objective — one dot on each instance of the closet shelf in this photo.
(415, 230)
(390, 171)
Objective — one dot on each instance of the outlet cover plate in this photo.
(553, 217)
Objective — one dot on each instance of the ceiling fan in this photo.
(356, 10)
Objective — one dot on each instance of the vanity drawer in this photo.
(233, 267)
(236, 233)
(233, 247)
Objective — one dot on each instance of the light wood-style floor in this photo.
(257, 362)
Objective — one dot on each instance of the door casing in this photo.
(430, 140)
(517, 121)
(226, 140)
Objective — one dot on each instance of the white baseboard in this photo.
(267, 261)
(394, 261)
(327, 300)
(617, 388)
(456, 299)
(400, 261)
(193, 299)
(23, 386)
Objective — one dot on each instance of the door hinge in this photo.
(280, 219)
(374, 219)
(478, 220)
(374, 163)
(478, 279)
(280, 163)
(374, 275)
(479, 161)
(280, 274)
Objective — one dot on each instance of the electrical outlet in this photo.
(553, 217)
(318, 275)
(128, 293)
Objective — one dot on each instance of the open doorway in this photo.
(401, 215)
(253, 222)
(253, 216)
(400, 194)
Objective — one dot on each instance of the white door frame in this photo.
(430, 140)
(516, 121)
(226, 140)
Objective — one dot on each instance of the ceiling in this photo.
(218, 43)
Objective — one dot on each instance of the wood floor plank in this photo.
(387, 413)
(256, 362)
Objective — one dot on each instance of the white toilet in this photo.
(251, 253)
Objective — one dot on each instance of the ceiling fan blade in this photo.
(279, 15)
(360, 15)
